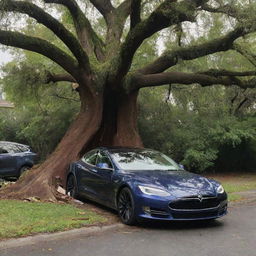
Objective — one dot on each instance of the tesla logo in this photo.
(200, 197)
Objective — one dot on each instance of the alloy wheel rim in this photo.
(125, 206)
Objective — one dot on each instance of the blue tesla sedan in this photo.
(15, 159)
(145, 184)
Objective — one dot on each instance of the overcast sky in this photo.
(4, 57)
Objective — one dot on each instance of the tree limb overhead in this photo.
(104, 7)
(115, 25)
(51, 23)
(223, 72)
(171, 57)
(40, 46)
(246, 53)
(135, 13)
(141, 81)
(54, 78)
(87, 36)
(170, 12)
(224, 9)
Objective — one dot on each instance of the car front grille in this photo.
(195, 203)
(194, 215)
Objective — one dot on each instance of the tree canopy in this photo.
(88, 49)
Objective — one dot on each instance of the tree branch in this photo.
(124, 8)
(54, 78)
(135, 13)
(225, 9)
(40, 46)
(51, 23)
(115, 25)
(104, 7)
(223, 72)
(170, 58)
(64, 98)
(141, 81)
(246, 53)
(87, 36)
(168, 13)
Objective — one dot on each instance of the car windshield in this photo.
(144, 160)
(13, 147)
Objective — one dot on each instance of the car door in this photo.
(85, 173)
(7, 163)
(103, 181)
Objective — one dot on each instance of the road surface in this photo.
(234, 235)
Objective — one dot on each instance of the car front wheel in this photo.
(72, 187)
(125, 204)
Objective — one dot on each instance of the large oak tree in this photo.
(100, 63)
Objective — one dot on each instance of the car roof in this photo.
(12, 143)
(124, 149)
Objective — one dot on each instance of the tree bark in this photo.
(102, 121)
(41, 180)
(119, 122)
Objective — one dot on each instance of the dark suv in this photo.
(15, 159)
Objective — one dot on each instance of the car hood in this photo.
(178, 183)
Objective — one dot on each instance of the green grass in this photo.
(235, 183)
(19, 218)
(234, 197)
(237, 187)
(238, 184)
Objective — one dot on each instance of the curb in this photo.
(85, 231)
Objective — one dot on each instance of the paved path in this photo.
(234, 235)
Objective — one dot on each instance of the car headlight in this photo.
(153, 191)
(220, 189)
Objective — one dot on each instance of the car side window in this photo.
(11, 148)
(14, 149)
(22, 148)
(90, 158)
(3, 151)
(104, 159)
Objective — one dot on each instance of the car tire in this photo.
(23, 169)
(71, 189)
(126, 206)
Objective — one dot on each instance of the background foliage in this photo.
(42, 112)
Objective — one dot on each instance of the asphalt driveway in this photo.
(233, 235)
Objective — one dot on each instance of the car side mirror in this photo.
(181, 166)
(103, 166)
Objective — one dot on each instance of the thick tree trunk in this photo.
(41, 181)
(126, 126)
(119, 122)
(108, 120)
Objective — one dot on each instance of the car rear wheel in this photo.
(125, 204)
(23, 169)
(72, 187)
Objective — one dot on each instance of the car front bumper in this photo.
(159, 209)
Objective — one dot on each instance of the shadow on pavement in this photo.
(181, 225)
(154, 225)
